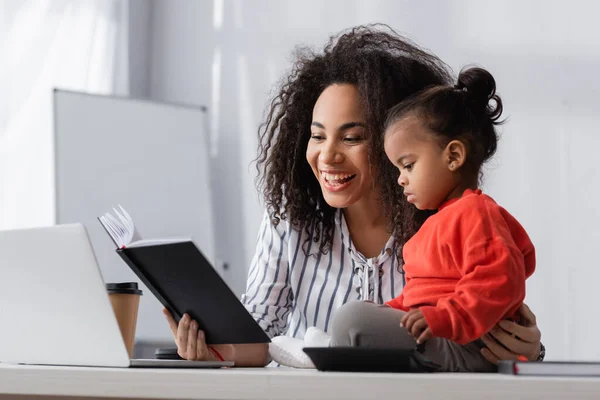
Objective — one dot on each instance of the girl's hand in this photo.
(416, 325)
(509, 340)
(191, 343)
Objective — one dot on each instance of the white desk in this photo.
(32, 382)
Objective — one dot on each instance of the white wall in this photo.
(544, 54)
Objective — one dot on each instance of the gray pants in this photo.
(366, 324)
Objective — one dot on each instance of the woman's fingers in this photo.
(491, 357)
(202, 348)
(497, 350)
(192, 337)
(182, 336)
(530, 334)
(191, 342)
(510, 342)
(528, 348)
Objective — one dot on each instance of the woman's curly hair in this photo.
(386, 68)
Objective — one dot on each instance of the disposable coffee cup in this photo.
(125, 299)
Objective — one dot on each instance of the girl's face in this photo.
(338, 148)
(427, 170)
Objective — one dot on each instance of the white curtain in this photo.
(46, 44)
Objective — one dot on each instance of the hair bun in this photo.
(480, 86)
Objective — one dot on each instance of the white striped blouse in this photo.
(287, 291)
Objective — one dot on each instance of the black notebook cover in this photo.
(183, 280)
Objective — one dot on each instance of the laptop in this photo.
(54, 308)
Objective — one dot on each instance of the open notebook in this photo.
(184, 281)
(122, 230)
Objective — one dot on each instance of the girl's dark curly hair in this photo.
(468, 111)
(386, 68)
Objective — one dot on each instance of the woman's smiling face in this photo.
(338, 148)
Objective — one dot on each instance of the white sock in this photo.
(314, 337)
(288, 351)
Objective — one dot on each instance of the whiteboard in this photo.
(151, 158)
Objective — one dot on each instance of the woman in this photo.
(336, 238)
